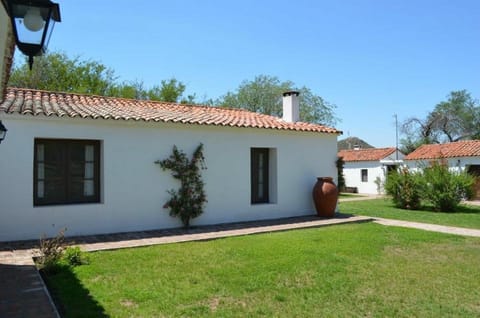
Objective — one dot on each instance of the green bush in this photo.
(436, 185)
(444, 189)
(405, 188)
(74, 256)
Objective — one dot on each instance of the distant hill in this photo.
(351, 142)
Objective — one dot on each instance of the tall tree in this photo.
(170, 90)
(457, 118)
(57, 72)
(264, 95)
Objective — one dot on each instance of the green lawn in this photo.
(354, 270)
(467, 216)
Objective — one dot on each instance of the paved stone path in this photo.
(429, 227)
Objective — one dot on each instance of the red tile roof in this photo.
(466, 148)
(368, 154)
(36, 102)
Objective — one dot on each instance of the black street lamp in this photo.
(32, 22)
(3, 131)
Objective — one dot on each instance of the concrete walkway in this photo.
(429, 227)
(23, 293)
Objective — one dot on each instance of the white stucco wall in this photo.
(353, 177)
(134, 188)
(376, 169)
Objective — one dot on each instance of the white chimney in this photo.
(291, 108)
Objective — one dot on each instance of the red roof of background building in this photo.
(53, 104)
(466, 148)
(368, 154)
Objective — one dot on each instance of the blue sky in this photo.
(372, 58)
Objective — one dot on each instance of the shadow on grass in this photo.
(465, 208)
(462, 208)
(70, 296)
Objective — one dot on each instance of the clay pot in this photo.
(325, 195)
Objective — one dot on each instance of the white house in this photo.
(87, 163)
(459, 156)
(364, 169)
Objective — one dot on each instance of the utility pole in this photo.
(396, 136)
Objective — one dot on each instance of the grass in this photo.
(353, 270)
(467, 215)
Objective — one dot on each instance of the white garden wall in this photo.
(134, 188)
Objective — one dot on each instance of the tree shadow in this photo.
(465, 208)
(462, 208)
(71, 298)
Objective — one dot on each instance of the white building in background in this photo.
(365, 170)
(87, 163)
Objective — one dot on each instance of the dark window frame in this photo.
(255, 171)
(364, 175)
(66, 178)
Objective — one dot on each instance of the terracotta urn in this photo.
(325, 195)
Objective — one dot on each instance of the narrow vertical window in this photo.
(259, 175)
(40, 171)
(364, 175)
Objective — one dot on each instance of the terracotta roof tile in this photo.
(36, 102)
(368, 154)
(466, 148)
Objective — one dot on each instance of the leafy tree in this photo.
(264, 95)
(457, 118)
(170, 91)
(132, 90)
(57, 72)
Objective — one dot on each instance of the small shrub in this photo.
(444, 188)
(74, 256)
(405, 188)
(51, 251)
